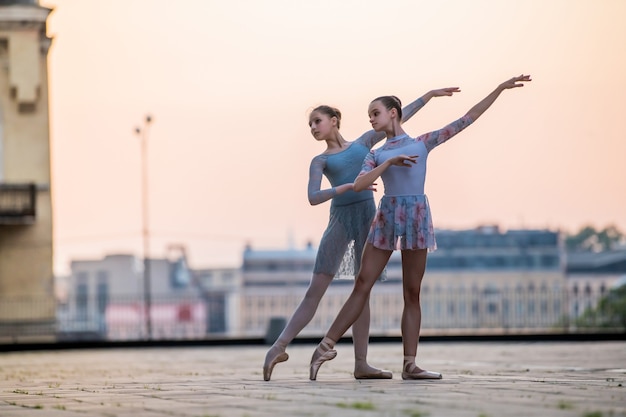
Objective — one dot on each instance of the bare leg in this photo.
(373, 263)
(361, 327)
(300, 318)
(360, 338)
(413, 267)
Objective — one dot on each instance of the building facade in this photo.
(591, 275)
(477, 280)
(27, 304)
(105, 299)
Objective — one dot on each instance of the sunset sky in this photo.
(230, 84)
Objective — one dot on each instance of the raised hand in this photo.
(448, 91)
(480, 107)
(515, 82)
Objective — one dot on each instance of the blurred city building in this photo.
(27, 303)
(103, 300)
(590, 275)
(478, 281)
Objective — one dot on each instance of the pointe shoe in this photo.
(270, 362)
(417, 373)
(375, 374)
(316, 362)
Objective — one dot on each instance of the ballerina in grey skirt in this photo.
(351, 214)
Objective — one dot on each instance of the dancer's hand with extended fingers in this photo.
(515, 82)
(403, 160)
(448, 91)
(372, 187)
(480, 107)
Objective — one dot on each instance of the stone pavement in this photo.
(481, 379)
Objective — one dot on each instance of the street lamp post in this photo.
(142, 132)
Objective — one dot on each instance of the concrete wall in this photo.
(27, 305)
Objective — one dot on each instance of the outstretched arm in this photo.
(410, 110)
(372, 137)
(437, 137)
(476, 111)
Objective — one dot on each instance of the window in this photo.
(548, 261)
(82, 301)
(102, 296)
(475, 308)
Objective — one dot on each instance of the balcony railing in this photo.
(17, 203)
(111, 317)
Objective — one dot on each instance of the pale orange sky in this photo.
(230, 84)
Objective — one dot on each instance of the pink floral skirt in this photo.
(403, 222)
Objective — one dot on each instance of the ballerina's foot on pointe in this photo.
(412, 371)
(322, 353)
(365, 371)
(275, 355)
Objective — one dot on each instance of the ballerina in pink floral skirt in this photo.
(402, 221)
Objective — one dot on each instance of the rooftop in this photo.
(510, 379)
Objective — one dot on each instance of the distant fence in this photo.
(445, 312)
(124, 318)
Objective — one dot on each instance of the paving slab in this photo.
(481, 379)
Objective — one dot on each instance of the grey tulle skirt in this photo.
(341, 247)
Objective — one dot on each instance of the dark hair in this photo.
(391, 102)
(330, 112)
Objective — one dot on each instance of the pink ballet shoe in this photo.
(271, 361)
(373, 374)
(413, 372)
(319, 357)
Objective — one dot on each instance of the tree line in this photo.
(590, 239)
(611, 309)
